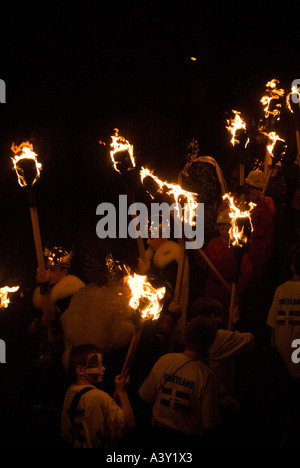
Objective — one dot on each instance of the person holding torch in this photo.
(222, 256)
(262, 218)
(51, 297)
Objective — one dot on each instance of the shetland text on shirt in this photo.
(179, 381)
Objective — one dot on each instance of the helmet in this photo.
(256, 179)
(223, 217)
(116, 269)
(58, 256)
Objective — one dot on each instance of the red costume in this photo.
(261, 237)
(223, 258)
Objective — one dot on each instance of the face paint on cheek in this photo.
(94, 367)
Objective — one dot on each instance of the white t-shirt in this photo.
(227, 346)
(185, 399)
(98, 419)
(284, 318)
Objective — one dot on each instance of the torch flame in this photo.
(236, 124)
(177, 192)
(272, 93)
(294, 90)
(273, 137)
(120, 144)
(4, 301)
(237, 235)
(27, 152)
(142, 291)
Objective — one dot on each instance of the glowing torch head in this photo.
(121, 153)
(272, 100)
(293, 100)
(144, 297)
(237, 128)
(241, 225)
(175, 191)
(4, 300)
(26, 164)
(276, 147)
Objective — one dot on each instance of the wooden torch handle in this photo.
(36, 229)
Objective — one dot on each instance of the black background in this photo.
(75, 72)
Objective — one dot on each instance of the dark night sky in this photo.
(73, 74)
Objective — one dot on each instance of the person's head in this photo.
(155, 233)
(58, 261)
(200, 334)
(86, 364)
(210, 308)
(256, 182)
(191, 149)
(223, 225)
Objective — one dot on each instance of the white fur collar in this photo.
(66, 287)
(166, 253)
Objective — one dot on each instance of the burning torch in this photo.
(173, 192)
(28, 170)
(123, 160)
(237, 128)
(147, 302)
(157, 188)
(293, 104)
(239, 235)
(275, 152)
(272, 102)
(4, 300)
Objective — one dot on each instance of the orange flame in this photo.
(4, 301)
(272, 93)
(238, 236)
(236, 124)
(177, 192)
(120, 144)
(273, 137)
(294, 90)
(27, 152)
(145, 297)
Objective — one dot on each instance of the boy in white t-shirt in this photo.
(95, 420)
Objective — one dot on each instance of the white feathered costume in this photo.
(99, 315)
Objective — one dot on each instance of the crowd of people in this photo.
(216, 368)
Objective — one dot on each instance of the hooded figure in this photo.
(202, 175)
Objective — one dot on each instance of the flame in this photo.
(273, 138)
(4, 301)
(27, 152)
(120, 144)
(142, 291)
(238, 237)
(272, 93)
(236, 124)
(177, 192)
(294, 90)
